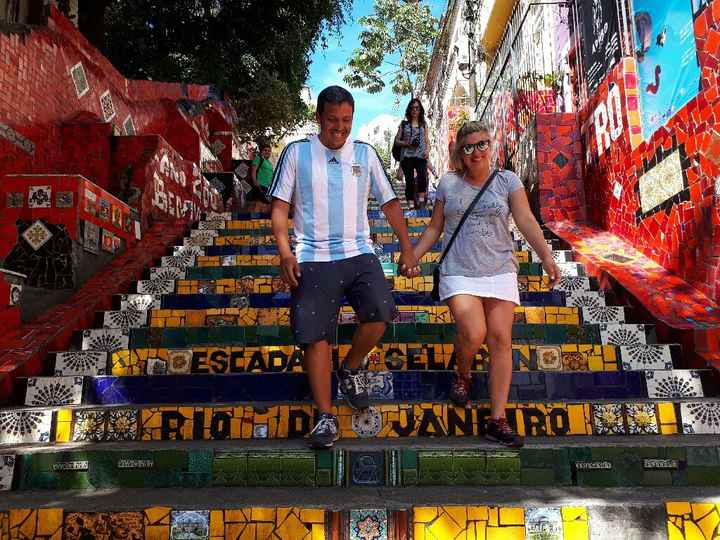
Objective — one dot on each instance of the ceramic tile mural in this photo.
(40, 197)
(51, 391)
(37, 235)
(82, 363)
(23, 426)
(368, 525)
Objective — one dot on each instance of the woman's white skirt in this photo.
(502, 286)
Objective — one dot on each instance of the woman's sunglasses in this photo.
(483, 145)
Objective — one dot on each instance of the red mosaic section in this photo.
(23, 351)
(84, 203)
(685, 237)
(559, 164)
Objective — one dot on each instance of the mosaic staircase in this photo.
(193, 383)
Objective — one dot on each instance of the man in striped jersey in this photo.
(328, 179)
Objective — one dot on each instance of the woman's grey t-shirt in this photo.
(409, 133)
(484, 245)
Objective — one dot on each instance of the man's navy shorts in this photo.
(317, 299)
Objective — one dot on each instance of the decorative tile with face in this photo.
(673, 384)
(179, 361)
(116, 213)
(90, 202)
(64, 199)
(700, 417)
(53, 391)
(108, 241)
(206, 287)
(104, 209)
(106, 339)
(37, 235)
(40, 197)
(549, 358)
(646, 357)
(24, 426)
(79, 363)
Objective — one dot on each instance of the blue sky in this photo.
(325, 65)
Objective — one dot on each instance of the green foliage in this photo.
(256, 50)
(402, 29)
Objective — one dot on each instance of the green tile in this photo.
(281, 468)
(705, 457)
(657, 478)
(537, 477)
(229, 469)
(703, 476)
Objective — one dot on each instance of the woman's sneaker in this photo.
(460, 390)
(498, 430)
(354, 386)
(325, 432)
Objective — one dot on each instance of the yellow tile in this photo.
(678, 508)
(596, 363)
(693, 532)
(574, 513)
(512, 516)
(50, 521)
(708, 524)
(478, 513)
(157, 515)
(318, 531)
(63, 429)
(576, 530)
(424, 514)
(674, 533)
(22, 523)
(419, 531)
(506, 533)
(262, 514)
(459, 514)
(493, 516)
(217, 523)
(235, 516)
(312, 516)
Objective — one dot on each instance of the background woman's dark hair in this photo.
(422, 111)
(336, 95)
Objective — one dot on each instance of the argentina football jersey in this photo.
(329, 190)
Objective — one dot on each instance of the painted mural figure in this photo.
(327, 179)
(478, 278)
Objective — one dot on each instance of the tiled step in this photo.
(174, 318)
(529, 334)
(385, 386)
(468, 462)
(235, 421)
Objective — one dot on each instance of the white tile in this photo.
(603, 314)
(155, 286)
(187, 251)
(25, 426)
(53, 391)
(205, 233)
(645, 357)
(585, 299)
(571, 284)
(180, 261)
(674, 384)
(73, 363)
(139, 302)
(167, 272)
(623, 334)
(7, 468)
(125, 319)
(700, 417)
(105, 339)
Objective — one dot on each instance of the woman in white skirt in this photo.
(478, 278)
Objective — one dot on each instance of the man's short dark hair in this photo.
(263, 146)
(336, 95)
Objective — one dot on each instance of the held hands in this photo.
(408, 264)
(552, 270)
(290, 270)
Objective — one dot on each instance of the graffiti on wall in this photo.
(667, 60)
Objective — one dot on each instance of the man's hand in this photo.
(290, 270)
(408, 264)
(552, 270)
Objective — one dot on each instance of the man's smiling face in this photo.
(335, 124)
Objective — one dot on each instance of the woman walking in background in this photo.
(412, 137)
(478, 277)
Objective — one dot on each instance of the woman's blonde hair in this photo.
(468, 128)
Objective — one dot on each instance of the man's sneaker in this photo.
(498, 430)
(354, 386)
(325, 432)
(460, 390)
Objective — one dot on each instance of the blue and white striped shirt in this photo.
(329, 190)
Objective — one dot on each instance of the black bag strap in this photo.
(466, 214)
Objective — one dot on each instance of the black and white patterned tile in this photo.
(53, 391)
(607, 419)
(543, 523)
(79, 363)
(204, 233)
(645, 357)
(25, 426)
(37, 235)
(190, 525)
(40, 197)
(199, 240)
(585, 299)
(603, 314)
(573, 284)
(367, 423)
(105, 339)
(623, 334)
(155, 287)
(167, 272)
(212, 225)
(673, 384)
(559, 256)
(139, 302)
(571, 269)
(700, 417)
(218, 216)
(7, 470)
(122, 425)
(184, 260)
(125, 319)
(188, 251)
